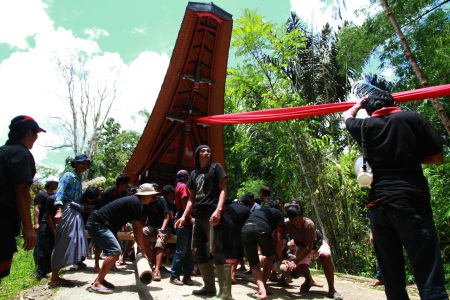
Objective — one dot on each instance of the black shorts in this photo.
(254, 235)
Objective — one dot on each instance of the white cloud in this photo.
(95, 33)
(320, 13)
(20, 19)
(31, 84)
(140, 85)
(138, 30)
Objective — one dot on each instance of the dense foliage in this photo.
(310, 159)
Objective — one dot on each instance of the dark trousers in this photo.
(46, 241)
(183, 258)
(202, 233)
(393, 230)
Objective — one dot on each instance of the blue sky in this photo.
(136, 37)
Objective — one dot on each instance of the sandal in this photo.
(107, 284)
(336, 296)
(255, 296)
(103, 290)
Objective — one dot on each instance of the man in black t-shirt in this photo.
(118, 191)
(233, 219)
(40, 200)
(104, 223)
(17, 170)
(51, 184)
(156, 219)
(207, 185)
(257, 231)
(46, 237)
(397, 143)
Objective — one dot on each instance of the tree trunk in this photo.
(440, 110)
(313, 199)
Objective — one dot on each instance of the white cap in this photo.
(146, 189)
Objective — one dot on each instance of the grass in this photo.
(19, 279)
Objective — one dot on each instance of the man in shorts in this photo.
(155, 217)
(257, 231)
(304, 233)
(104, 223)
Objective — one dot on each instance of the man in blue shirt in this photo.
(71, 246)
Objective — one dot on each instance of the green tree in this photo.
(115, 149)
(285, 66)
(408, 37)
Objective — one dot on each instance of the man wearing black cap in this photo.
(207, 185)
(17, 170)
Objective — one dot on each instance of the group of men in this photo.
(396, 144)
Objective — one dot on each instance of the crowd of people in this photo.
(216, 234)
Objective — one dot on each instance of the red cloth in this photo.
(385, 111)
(282, 114)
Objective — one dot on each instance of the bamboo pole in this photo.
(143, 268)
(282, 269)
(127, 236)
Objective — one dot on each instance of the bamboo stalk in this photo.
(142, 266)
(127, 236)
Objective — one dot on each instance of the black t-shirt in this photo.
(396, 144)
(96, 204)
(267, 218)
(110, 195)
(173, 209)
(41, 199)
(16, 166)
(236, 214)
(117, 213)
(205, 182)
(50, 210)
(155, 212)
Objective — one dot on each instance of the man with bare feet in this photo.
(155, 219)
(104, 223)
(257, 231)
(304, 233)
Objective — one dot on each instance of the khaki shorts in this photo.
(150, 231)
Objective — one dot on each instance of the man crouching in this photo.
(304, 233)
(104, 223)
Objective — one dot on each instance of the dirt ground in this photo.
(128, 286)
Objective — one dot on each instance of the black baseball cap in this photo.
(24, 122)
